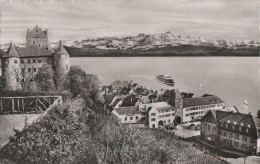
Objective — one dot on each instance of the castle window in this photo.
(29, 69)
(23, 80)
(22, 61)
(153, 119)
(6, 62)
(31, 80)
(15, 61)
(22, 70)
(39, 60)
(34, 69)
(29, 61)
(153, 114)
(34, 61)
(33, 42)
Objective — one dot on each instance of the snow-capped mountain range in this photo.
(145, 41)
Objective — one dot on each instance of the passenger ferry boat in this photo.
(165, 79)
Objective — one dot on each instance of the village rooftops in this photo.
(130, 101)
(200, 101)
(130, 110)
(33, 51)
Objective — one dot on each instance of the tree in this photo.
(83, 85)
(44, 79)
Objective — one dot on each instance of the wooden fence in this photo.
(28, 104)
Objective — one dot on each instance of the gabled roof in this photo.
(115, 102)
(109, 98)
(130, 101)
(210, 116)
(200, 101)
(187, 95)
(130, 110)
(11, 52)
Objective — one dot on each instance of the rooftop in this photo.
(130, 110)
(200, 101)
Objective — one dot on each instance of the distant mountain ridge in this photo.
(145, 41)
(164, 44)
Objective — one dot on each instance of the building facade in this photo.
(128, 115)
(158, 114)
(189, 109)
(21, 64)
(232, 130)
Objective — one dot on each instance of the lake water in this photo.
(233, 79)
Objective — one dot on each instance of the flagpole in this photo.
(246, 105)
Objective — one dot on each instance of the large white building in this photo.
(158, 114)
(189, 109)
(129, 115)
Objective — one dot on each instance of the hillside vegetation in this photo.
(80, 131)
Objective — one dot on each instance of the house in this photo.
(129, 115)
(189, 109)
(237, 131)
(158, 114)
(117, 103)
(131, 101)
(125, 91)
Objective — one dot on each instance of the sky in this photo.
(81, 19)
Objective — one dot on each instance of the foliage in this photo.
(45, 78)
(83, 85)
(74, 134)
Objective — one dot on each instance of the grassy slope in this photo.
(71, 134)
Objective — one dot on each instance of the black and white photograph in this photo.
(129, 82)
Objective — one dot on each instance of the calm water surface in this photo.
(233, 79)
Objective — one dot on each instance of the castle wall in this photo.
(11, 73)
(61, 67)
(37, 37)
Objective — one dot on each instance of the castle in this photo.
(21, 64)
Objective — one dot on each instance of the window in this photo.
(23, 80)
(34, 69)
(225, 134)
(236, 144)
(34, 61)
(136, 117)
(230, 135)
(29, 69)
(15, 61)
(237, 137)
(244, 138)
(31, 80)
(125, 118)
(29, 61)
(22, 61)
(220, 132)
(131, 118)
(153, 119)
(6, 62)
(33, 42)
(209, 128)
(22, 70)
(39, 60)
(153, 114)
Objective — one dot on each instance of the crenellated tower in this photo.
(60, 64)
(37, 37)
(11, 65)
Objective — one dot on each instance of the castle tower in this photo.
(11, 71)
(37, 37)
(61, 64)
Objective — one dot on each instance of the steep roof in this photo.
(34, 50)
(109, 98)
(130, 110)
(200, 101)
(210, 116)
(130, 101)
(116, 102)
(11, 52)
(61, 50)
